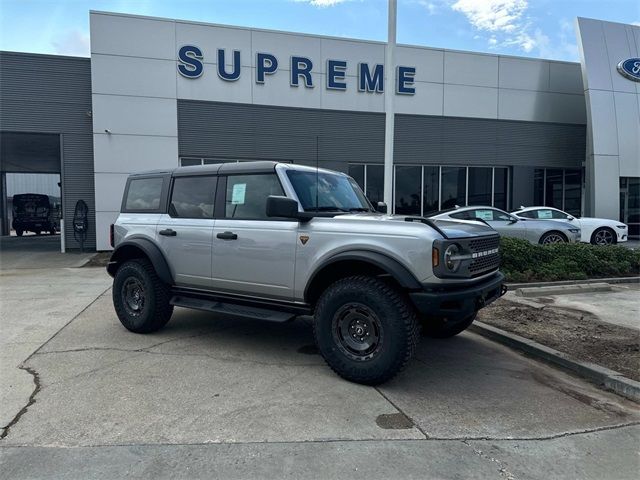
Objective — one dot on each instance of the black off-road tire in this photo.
(155, 310)
(398, 329)
(437, 328)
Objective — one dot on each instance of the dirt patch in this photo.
(394, 421)
(580, 335)
(101, 259)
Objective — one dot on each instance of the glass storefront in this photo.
(425, 189)
(559, 188)
(630, 204)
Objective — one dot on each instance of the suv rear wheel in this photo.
(439, 328)
(365, 329)
(140, 298)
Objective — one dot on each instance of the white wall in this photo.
(613, 111)
(135, 84)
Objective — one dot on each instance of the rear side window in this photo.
(144, 194)
(247, 195)
(192, 197)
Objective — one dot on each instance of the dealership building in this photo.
(470, 128)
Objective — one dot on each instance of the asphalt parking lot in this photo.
(217, 397)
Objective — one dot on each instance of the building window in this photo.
(453, 187)
(407, 190)
(558, 188)
(480, 179)
(371, 179)
(630, 204)
(425, 189)
(430, 190)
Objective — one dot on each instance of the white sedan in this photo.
(598, 231)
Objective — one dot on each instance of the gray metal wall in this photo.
(52, 94)
(211, 129)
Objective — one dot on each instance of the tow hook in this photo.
(503, 289)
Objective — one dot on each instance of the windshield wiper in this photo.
(360, 209)
(328, 208)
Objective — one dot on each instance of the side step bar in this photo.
(231, 309)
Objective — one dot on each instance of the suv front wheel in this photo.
(365, 329)
(140, 298)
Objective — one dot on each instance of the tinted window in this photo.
(500, 188)
(357, 173)
(144, 194)
(192, 197)
(553, 196)
(408, 190)
(480, 186)
(331, 191)
(375, 183)
(466, 215)
(454, 182)
(572, 191)
(529, 214)
(431, 189)
(247, 195)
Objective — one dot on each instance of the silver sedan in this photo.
(535, 231)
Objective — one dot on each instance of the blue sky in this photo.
(535, 28)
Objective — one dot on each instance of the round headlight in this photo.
(450, 261)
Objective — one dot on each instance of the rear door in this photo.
(252, 254)
(185, 233)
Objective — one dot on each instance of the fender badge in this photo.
(304, 239)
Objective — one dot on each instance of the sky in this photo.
(531, 28)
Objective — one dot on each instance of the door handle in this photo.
(227, 236)
(167, 232)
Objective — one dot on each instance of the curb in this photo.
(609, 379)
(562, 289)
(613, 280)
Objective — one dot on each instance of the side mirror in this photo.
(283, 207)
(513, 219)
(570, 217)
(381, 207)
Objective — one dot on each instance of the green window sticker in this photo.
(238, 194)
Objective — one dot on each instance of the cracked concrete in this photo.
(248, 399)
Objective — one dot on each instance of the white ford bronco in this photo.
(272, 241)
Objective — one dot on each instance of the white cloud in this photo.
(637, 23)
(322, 3)
(431, 6)
(492, 15)
(73, 42)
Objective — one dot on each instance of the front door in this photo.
(252, 254)
(185, 235)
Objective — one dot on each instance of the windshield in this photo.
(333, 192)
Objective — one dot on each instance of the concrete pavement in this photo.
(216, 397)
(38, 251)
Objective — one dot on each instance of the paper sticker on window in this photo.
(545, 214)
(237, 196)
(485, 215)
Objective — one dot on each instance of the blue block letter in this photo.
(222, 71)
(266, 64)
(405, 80)
(190, 58)
(301, 67)
(335, 74)
(368, 82)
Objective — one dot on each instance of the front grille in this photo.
(488, 255)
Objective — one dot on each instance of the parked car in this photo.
(34, 212)
(598, 231)
(270, 241)
(535, 231)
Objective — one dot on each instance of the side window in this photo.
(544, 214)
(558, 215)
(466, 215)
(247, 195)
(528, 214)
(144, 194)
(501, 216)
(486, 215)
(192, 197)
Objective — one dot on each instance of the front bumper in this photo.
(447, 301)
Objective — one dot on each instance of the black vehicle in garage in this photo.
(34, 212)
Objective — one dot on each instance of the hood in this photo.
(451, 228)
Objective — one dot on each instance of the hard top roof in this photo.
(230, 168)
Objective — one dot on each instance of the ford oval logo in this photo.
(630, 68)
